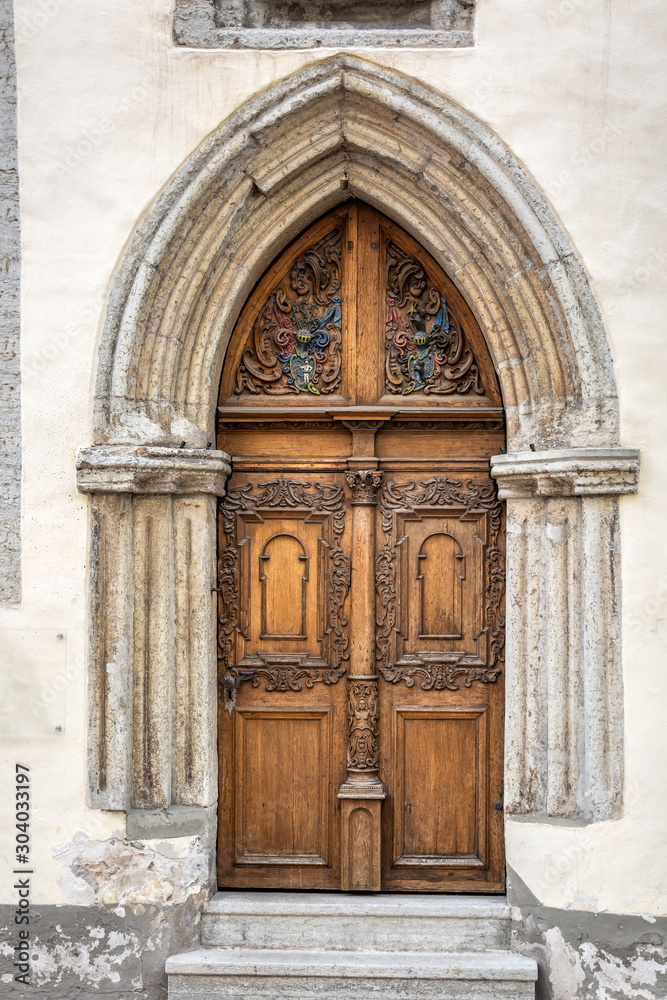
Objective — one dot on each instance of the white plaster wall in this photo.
(108, 110)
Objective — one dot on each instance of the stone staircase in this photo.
(313, 946)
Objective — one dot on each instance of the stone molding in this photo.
(10, 322)
(152, 700)
(566, 473)
(118, 469)
(563, 677)
(237, 25)
(273, 168)
(564, 723)
(252, 186)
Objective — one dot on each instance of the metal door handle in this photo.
(231, 682)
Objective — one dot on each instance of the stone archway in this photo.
(250, 188)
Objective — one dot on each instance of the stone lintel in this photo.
(566, 473)
(151, 470)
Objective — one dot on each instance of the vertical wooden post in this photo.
(362, 792)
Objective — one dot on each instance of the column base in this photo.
(360, 842)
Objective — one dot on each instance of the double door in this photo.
(360, 577)
(362, 690)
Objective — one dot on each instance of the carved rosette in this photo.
(281, 676)
(426, 350)
(451, 670)
(364, 485)
(295, 345)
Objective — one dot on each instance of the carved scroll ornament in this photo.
(451, 671)
(426, 349)
(295, 344)
(280, 675)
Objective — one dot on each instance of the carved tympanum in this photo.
(425, 347)
(283, 672)
(295, 343)
(446, 670)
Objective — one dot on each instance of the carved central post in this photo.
(363, 730)
(362, 791)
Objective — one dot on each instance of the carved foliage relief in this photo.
(426, 350)
(295, 344)
(284, 671)
(454, 668)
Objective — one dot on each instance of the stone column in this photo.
(362, 792)
(152, 701)
(564, 721)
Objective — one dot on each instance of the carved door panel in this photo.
(283, 578)
(440, 581)
(360, 575)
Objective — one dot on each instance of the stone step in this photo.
(267, 974)
(322, 922)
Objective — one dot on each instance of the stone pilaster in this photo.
(564, 728)
(153, 641)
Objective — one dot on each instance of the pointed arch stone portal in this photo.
(251, 187)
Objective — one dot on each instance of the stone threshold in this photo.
(349, 965)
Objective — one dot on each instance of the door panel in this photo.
(440, 813)
(283, 785)
(284, 578)
(360, 575)
(442, 690)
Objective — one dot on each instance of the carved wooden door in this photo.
(361, 575)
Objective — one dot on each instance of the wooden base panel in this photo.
(360, 845)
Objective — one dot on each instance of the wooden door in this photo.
(361, 575)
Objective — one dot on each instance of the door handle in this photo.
(231, 682)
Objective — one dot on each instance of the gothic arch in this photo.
(275, 166)
(252, 186)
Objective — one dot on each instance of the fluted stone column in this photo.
(152, 700)
(564, 728)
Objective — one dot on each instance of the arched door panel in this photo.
(361, 575)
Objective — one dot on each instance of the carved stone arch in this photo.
(273, 168)
(252, 186)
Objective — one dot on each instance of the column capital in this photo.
(144, 469)
(364, 484)
(568, 472)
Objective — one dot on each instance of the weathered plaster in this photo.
(10, 264)
(113, 952)
(132, 871)
(587, 955)
(593, 956)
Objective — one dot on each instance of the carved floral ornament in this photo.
(452, 671)
(364, 485)
(425, 347)
(288, 494)
(295, 343)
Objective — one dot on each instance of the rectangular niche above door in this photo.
(304, 24)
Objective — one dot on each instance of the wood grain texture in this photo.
(361, 585)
